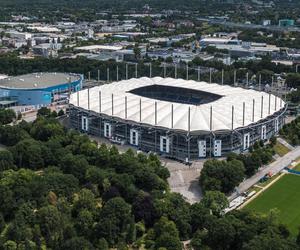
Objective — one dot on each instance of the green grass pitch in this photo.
(285, 196)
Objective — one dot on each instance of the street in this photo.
(274, 168)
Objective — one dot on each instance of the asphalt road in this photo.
(274, 168)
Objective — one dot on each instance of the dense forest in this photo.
(60, 190)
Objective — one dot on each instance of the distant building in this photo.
(39, 89)
(286, 22)
(266, 22)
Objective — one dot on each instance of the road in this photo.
(250, 26)
(274, 168)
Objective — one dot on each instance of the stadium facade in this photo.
(39, 89)
(180, 119)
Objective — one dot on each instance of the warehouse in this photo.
(39, 89)
(180, 119)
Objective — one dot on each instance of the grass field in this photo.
(285, 196)
(297, 167)
(280, 149)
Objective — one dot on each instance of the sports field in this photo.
(285, 196)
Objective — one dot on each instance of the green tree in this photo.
(114, 221)
(215, 201)
(6, 160)
(166, 235)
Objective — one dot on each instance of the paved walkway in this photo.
(275, 167)
(285, 143)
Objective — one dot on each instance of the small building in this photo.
(286, 22)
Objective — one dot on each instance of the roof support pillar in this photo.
(172, 116)
(222, 82)
(107, 78)
(244, 113)
(136, 72)
(112, 104)
(210, 118)
(78, 98)
(234, 78)
(126, 107)
(269, 104)
(187, 71)
(253, 110)
(189, 120)
(262, 107)
(140, 109)
(155, 113)
(99, 101)
(88, 92)
(117, 73)
(232, 117)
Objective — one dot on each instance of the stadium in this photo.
(181, 119)
(38, 89)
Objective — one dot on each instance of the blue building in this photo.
(39, 89)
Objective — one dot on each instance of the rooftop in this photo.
(37, 80)
(189, 100)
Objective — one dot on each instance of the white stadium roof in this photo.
(199, 114)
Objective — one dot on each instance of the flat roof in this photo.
(114, 94)
(99, 47)
(37, 80)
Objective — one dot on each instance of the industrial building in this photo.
(39, 89)
(180, 119)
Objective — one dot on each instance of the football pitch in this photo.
(285, 196)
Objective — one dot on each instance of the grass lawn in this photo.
(280, 149)
(297, 168)
(283, 195)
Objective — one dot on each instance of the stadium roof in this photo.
(37, 80)
(223, 98)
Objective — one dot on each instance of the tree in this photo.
(199, 215)
(102, 244)
(10, 245)
(114, 220)
(143, 208)
(215, 201)
(269, 241)
(293, 80)
(197, 240)
(60, 113)
(44, 111)
(78, 243)
(50, 221)
(221, 175)
(137, 52)
(28, 153)
(166, 235)
(84, 222)
(74, 164)
(6, 160)
(221, 234)
(7, 116)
